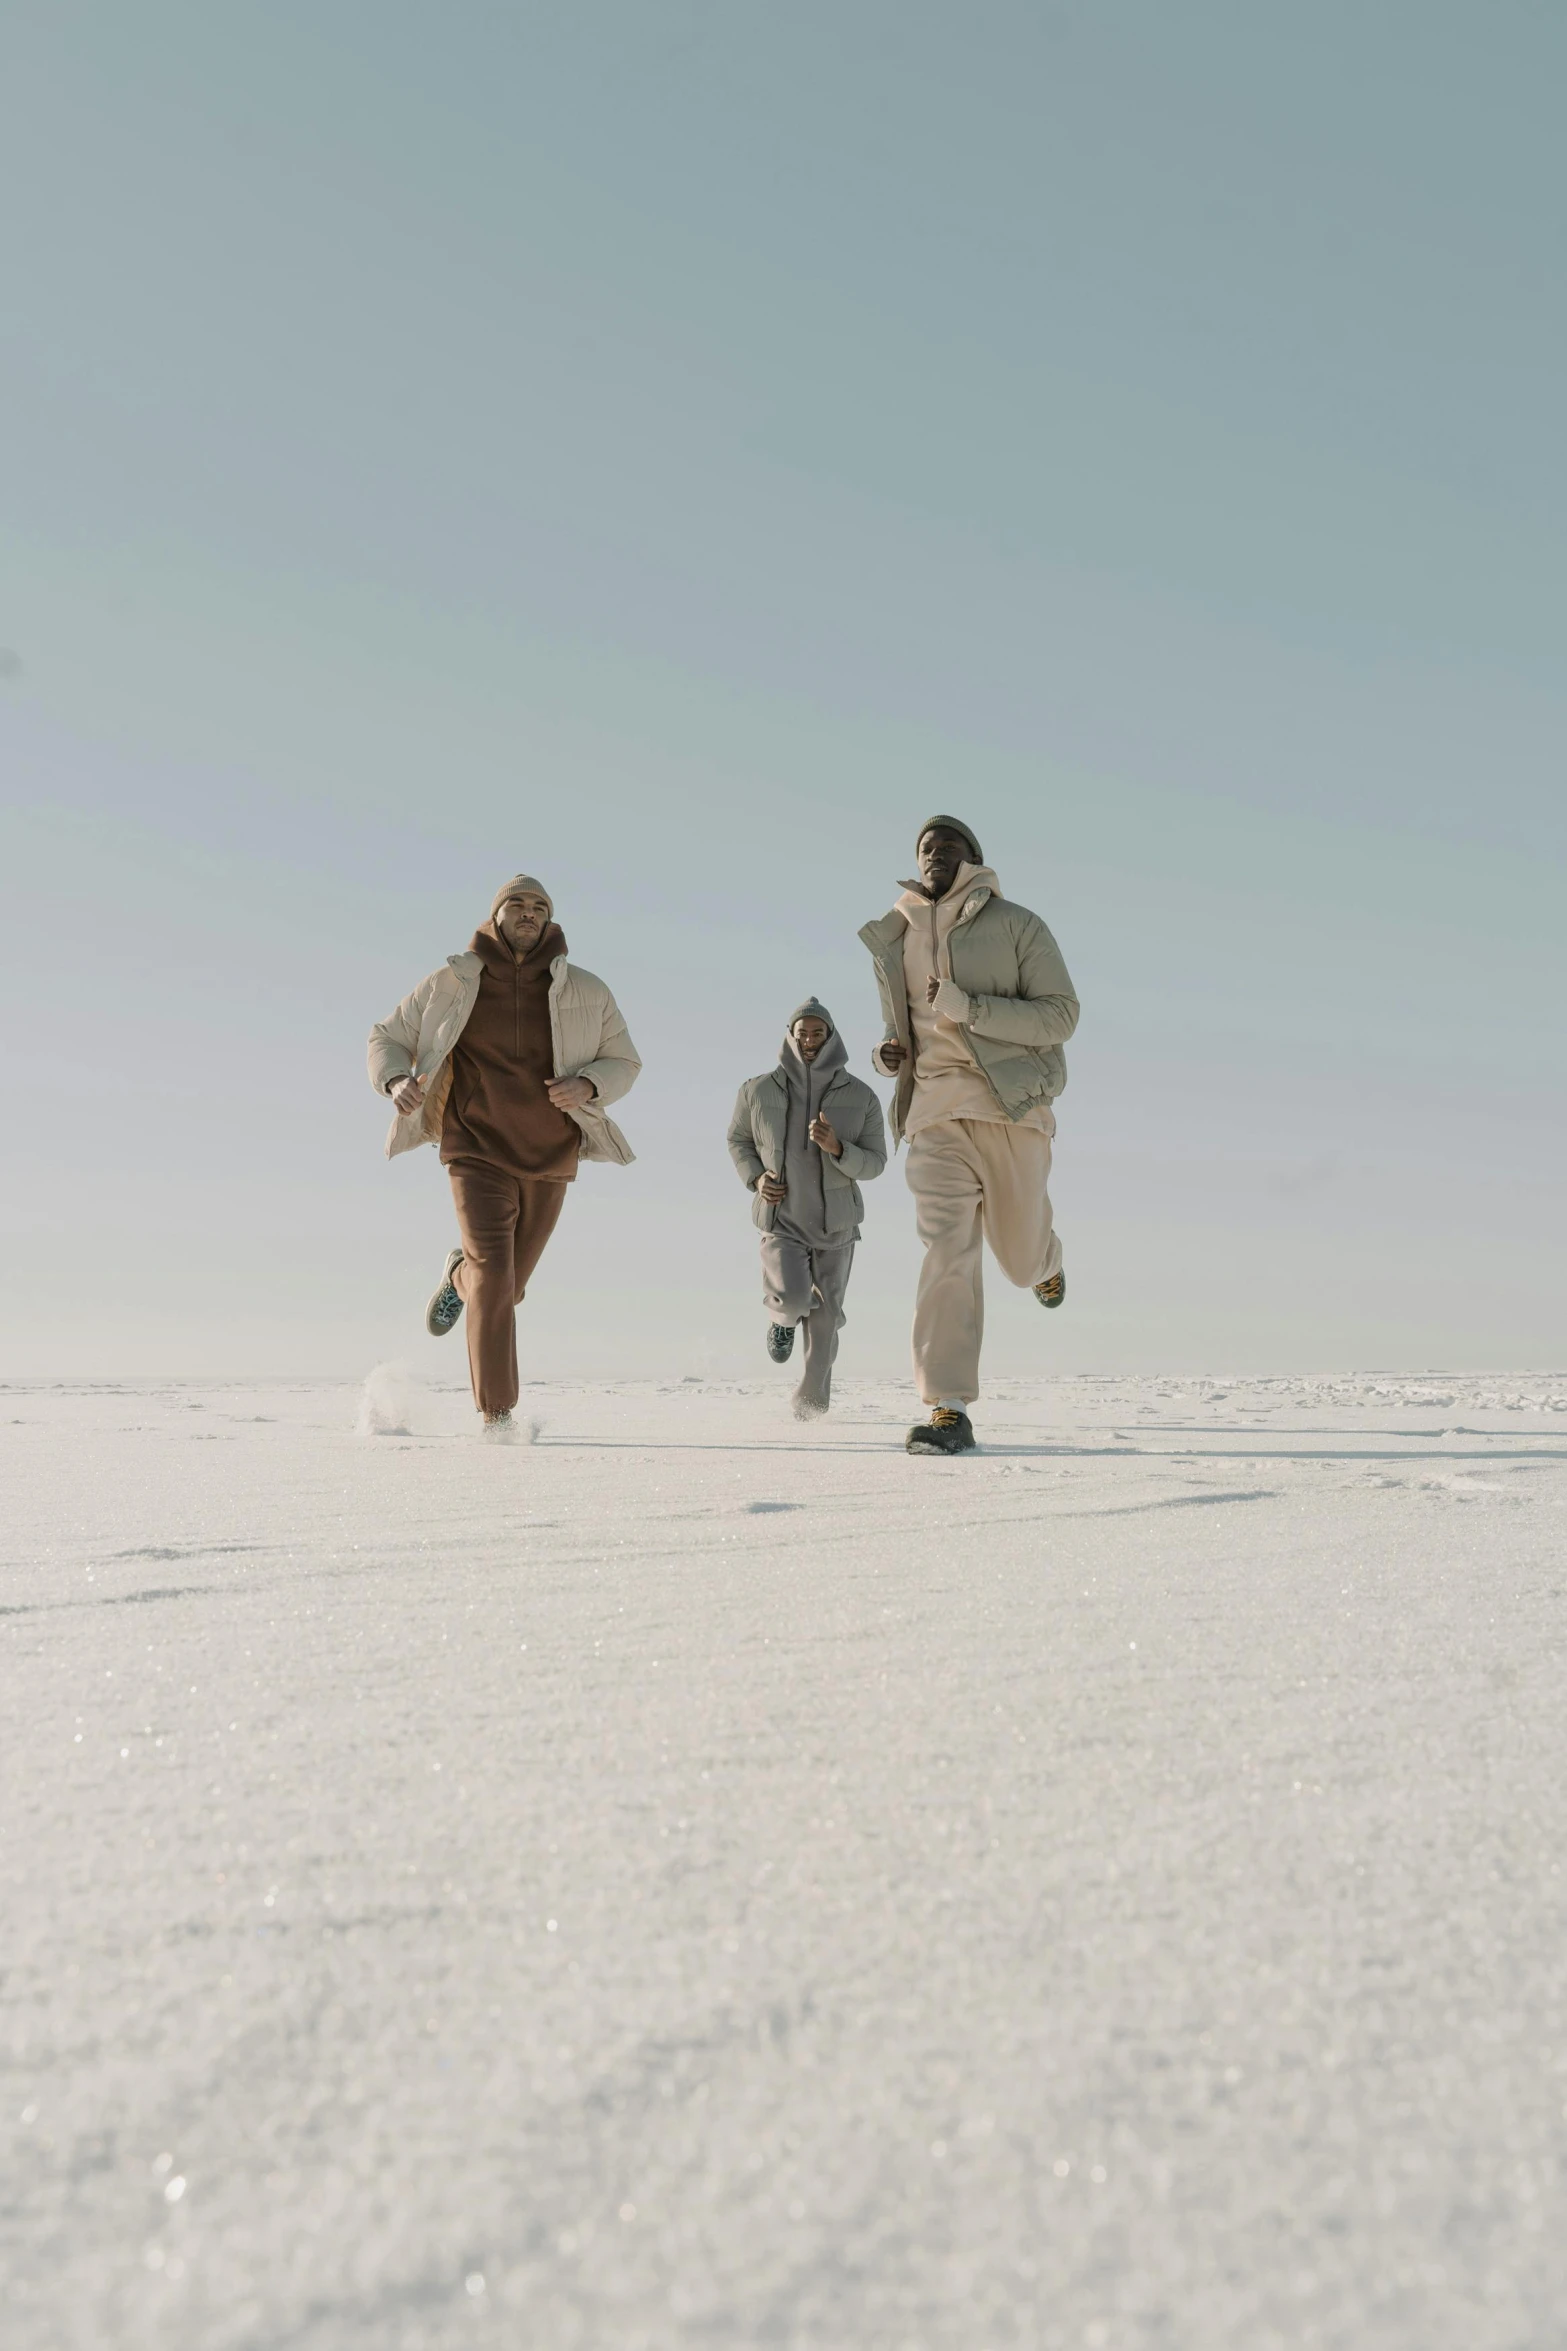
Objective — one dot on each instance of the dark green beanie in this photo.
(950, 824)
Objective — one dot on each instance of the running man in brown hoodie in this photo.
(507, 1058)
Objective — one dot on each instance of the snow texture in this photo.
(699, 1880)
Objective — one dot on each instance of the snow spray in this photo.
(385, 1402)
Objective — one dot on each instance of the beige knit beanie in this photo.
(514, 889)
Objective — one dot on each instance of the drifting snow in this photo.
(703, 1880)
(386, 1402)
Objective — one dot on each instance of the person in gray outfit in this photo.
(802, 1137)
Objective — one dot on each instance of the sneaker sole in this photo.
(439, 1328)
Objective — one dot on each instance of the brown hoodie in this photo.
(498, 1110)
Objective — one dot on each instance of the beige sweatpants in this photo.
(973, 1179)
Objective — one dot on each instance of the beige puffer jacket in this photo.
(1008, 992)
(591, 1041)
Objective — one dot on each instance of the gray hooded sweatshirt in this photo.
(769, 1134)
(803, 1216)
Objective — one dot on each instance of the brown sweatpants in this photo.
(503, 1222)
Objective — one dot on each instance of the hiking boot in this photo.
(946, 1431)
(780, 1341)
(445, 1306)
(1052, 1292)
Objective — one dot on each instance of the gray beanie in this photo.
(950, 824)
(811, 1009)
(514, 889)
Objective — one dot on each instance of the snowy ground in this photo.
(695, 1880)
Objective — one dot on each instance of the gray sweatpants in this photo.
(801, 1284)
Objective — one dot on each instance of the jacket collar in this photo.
(970, 886)
(468, 967)
(882, 936)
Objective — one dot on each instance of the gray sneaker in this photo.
(445, 1306)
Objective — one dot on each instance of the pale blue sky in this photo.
(675, 447)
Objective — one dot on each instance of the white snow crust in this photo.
(699, 1880)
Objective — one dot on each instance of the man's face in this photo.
(521, 921)
(810, 1034)
(941, 852)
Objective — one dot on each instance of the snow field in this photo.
(699, 1880)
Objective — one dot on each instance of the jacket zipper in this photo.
(556, 1055)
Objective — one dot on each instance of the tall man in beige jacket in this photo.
(506, 1059)
(977, 1005)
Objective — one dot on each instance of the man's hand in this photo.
(823, 1137)
(772, 1188)
(570, 1093)
(406, 1096)
(893, 1056)
(931, 985)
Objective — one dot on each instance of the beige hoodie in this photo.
(948, 1082)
